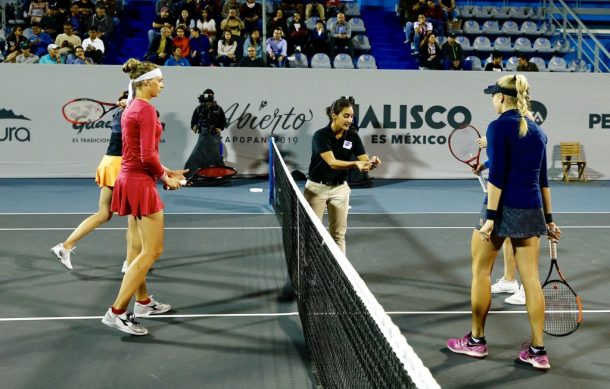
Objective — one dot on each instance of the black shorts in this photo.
(516, 222)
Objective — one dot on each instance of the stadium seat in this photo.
(472, 62)
(471, 27)
(517, 13)
(543, 45)
(311, 23)
(300, 61)
(361, 43)
(534, 13)
(540, 63)
(502, 44)
(523, 45)
(557, 64)
(498, 12)
(343, 61)
(464, 42)
(465, 11)
(490, 27)
(366, 61)
(563, 46)
(330, 22)
(529, 27)
(441, 40)
(320, 61)
(352, 9)
(510, 28)
(481, 11)
(511, 64)
(578, 65)
(547, 30)
(357, 25)
(482, 43)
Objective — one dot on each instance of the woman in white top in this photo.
(207, 26)
(226, 49)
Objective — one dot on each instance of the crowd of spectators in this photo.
(232, 28)
(59, 32)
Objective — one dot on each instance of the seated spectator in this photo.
(524, 65)
(68, 40)
(160, 48)
(39, 40)
(77, 20)
(101, 22)
(182, 40)
(421, 28)
(298, 34)
(52, 23)
(78, 58)
(185, 19)
(38, 9)
(277, 21)
(177, 59)
(251, 13)
(233, 24)
(408, 13)
(192, 6)
(26, 55)
(13, 44)
(448, 7)
(341, 36)
(430, 53)
(496, 62)
(434, 15)
(251, 60)
(207, 25)
(318, 6)
(318, 39)
(161, 20)
(86, 8)
(228, 5)
(453, 54)
(226, 49)
(169, 4)
(276, 48)
(291, 6)
(254, 40)
(201, 50)
(53, 56)
(94, 46)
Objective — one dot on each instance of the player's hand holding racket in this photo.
(563, 308)
(464, 147)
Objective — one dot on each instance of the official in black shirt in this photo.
(332, 149)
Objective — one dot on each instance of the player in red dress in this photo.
(135, 194)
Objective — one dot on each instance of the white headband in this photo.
(155, 73)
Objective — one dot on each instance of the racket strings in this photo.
(83, 111)
(563, 311)
(463, 144)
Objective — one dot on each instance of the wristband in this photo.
(490, 214)
(548, 218)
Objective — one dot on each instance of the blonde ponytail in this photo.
(521, 101)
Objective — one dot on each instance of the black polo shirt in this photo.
(344, 149)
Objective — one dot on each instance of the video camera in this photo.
(209, 113)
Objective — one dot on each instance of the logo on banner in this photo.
(415, 117)
(15, 133)
(267, 119)
(601, 120)
(539, 111)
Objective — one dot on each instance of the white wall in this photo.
(290, 104)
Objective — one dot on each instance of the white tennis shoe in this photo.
(63, 255)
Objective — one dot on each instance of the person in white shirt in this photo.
(94, 47)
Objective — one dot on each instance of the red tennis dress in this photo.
(135, 191)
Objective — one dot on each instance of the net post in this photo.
(271, 187)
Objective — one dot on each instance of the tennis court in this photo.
(223, 269)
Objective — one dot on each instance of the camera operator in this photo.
(208, 121)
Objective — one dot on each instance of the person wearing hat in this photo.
(53, 56)
(495, 64)
(208, 121)
(26, 55)
(517, 206)
(453, 54)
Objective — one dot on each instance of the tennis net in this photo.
(352, 342)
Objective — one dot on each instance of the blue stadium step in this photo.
(386, 36)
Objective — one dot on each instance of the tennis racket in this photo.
(563, 313)
(84, 110)
(463, 146)
(212, 175)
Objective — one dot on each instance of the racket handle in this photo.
(482, 182)
(553, 249)
(182, 183)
